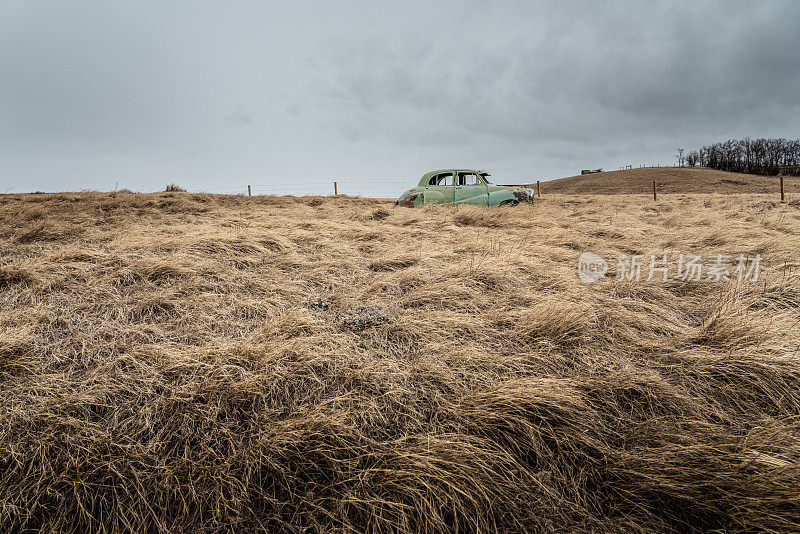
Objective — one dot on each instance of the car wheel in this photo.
(509, 203)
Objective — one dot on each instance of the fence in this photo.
(384, 189)
(317, 188)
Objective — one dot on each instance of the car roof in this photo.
(476, 171)
(427, 175)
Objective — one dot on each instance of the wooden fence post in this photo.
(335, 189)
(654, 190)
(538, 190)
(783, 198)
(248, 191)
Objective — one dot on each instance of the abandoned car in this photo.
(463, 186)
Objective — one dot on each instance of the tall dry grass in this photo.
(197, 363)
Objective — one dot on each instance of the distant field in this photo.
(669, 180)
(198, 363)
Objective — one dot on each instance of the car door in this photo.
(471, 189)
(440, 189)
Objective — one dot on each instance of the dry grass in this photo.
(670, 180)
(197, 363)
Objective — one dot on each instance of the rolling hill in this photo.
(668, 180)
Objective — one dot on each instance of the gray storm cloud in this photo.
(289, 98)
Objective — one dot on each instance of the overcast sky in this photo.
(289, 96)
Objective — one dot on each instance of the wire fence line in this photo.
(389, 188)
(386, 188)
(322, 188)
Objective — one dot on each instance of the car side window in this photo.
(444, 178)
(468, 178)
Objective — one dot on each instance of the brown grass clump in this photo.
(200, 363)
(10, 277)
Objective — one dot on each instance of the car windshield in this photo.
(486, 177)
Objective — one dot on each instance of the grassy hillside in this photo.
(669, 180)
(198, 363)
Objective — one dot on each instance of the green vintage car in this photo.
(463, 186)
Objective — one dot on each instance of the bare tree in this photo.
(754, 156)
(679, 157)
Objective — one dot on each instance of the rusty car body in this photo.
(463, 186)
